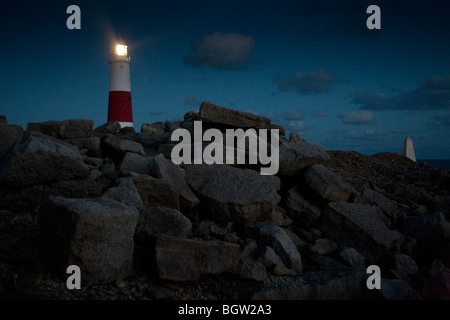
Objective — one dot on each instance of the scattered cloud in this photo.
(357, 117)
(223, 51)
(298, 126)
(316, 81)
(433, 94)
(156, 112)
(320, 113)
(292, 115)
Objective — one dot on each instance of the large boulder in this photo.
(136, 163)
(9, 134)
(95, 234)
(373, 197)
(328, 185)
(233, 194)
(297, 154)
(231, 118)
(66, 129)
(186, 260)
(162, 221)
(38, 159)
(266, 233)
(359, 226)
(157, 192)
(126, 193)
(107, 128)
(161, 168)
(427, 227)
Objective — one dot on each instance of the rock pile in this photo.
(111, 201)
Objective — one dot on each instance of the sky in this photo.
(311, 66)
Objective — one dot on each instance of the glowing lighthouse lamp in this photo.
(119, 104)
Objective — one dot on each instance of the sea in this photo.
(441, 163)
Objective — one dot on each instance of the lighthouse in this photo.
(119, 103)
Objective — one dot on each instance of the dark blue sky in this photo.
(311, 66)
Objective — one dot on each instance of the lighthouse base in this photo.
(126, 124)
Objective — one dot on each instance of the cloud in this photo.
(357, 117)
(223, 51)
(320, 113)
(433, 94)
(317, 81)
(298, 126)
(156, 112)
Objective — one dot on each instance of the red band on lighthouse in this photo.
(119, 104)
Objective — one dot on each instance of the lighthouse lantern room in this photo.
(119, 104)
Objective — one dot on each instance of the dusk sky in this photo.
(311, 66)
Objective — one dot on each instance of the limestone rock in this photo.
(157, 192)
(37, 159)
(108, 128)
(66, 129)
(136, 163)
(323, 246)
(295, 156)
(328, 184)
(233, 118)
(9, 134)
(186, 260)
(126, 193)
(360, 227)
(94, 234)
(162, 221)
(161, 168)
(266, 233)
(233, 194)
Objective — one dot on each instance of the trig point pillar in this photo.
(119, 104)
(408, 149)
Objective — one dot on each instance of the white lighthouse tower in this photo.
(119, 104)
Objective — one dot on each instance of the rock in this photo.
(328, 184)
(126, 193)
(127, 146)
(37, 159)
(3, 119)
(429, 227)
(126, 133)
(437, 286)
(379, 200)
(328, 284)
(161, 168)
(295, 156)
(172, 125)
(135, 163)
(187, 260)
(251, 269)
(94, 234)
(323, 246)
(281, 270)
(157, 128)
(294, 138)
(298, 242)
(360, 227)
(149, 140)
(66, 129)
(442, 251)
(268, 234)
(268, 257)
(301, 210)
(400, 262)
(394, 289)
(352, 257)
(9, 134)
(91, 143)
(231, 118)
(233, 194)
(108, 128)
(157, 192)
(326, 261)
(162, 221)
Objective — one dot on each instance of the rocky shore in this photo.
(111, 201)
